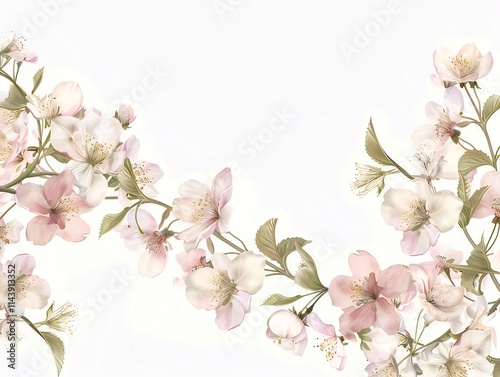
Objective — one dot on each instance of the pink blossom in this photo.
(367, 297)
(146, 173)
(490, 202)
(467, 357)
(440, 302)
(465, 66)
(204, 207)
(90, 143)
(288, 331)
(58, 209)
(331, 345)
(192, 259)
(66, 99)
(9, 233)
(125, 114)
(446, 256)
(443, 119)
(146, 236)
(226, 288)
(421, 214)
(13, 46)
(31, 291)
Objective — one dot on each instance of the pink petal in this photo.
(37, 295)
(232, 314)
(75, 230)
(146, 221)
(362, 264)
(387, 317)
(62, 137)
(30, 196)
(394, 281)
(419, 241)
(192, 188)
(57, 187)
(69, 97)
(24, 264)
(221, 183)
(356, 319)
(131, 147)
(317, 324)
(198, 287)
(40, 231)
(247, 272)
(340, 291)
(151, 263)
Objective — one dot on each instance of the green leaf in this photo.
(478, 266)
(127, 180)
(471, 160)
(288, 245)
(55, 344)
(112, 220)
(377, 153)
(265, 239)
(210, 245)
(50, 310)
(470, 206)
(279, 299)
(50, 151)
(164, 217)
(373, 147)
(463, 190)
(37, 79)
(496, 361)
(307, 275)
(57, 347)
(15, 99)
(491, 105)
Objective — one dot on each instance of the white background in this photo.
(225, 67)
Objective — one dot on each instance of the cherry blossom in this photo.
(146, 237)
(226, 288)
(490, 202)
(9, 233)
(468, 64)
(125, 114)
(90, 143)
(464, 358)
(366, 297)
(204, 207)
(58, 209)
(65, 99)
(421, 214)
(288, 331)
(443, 119)
(31, 291)
(440, 302)
(331, 345)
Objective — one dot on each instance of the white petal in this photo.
(247, 271)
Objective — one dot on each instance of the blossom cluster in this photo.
(61, 158)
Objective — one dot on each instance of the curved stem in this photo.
(466, 232)
(244, 246)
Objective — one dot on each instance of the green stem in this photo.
(8, 209)
(244, 246)
(466, 232)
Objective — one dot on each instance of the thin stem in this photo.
(466, 142)
(226, 241)
(244, 246)
(478, 101)
(478, 112)
(8, 209)
(111, 197)
(495, 240)
(154, 201)
(466, 232)
(8, 190)
(41, 174)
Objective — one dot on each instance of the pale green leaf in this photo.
(50, 310)
(470, 206)
(496, 361)
(50, 151)
(491, 105)
(373, 147)
(265, 239)
(57, 347)
(472, 159)
(127, 180)
(15, 99)
(112, 220)
(210, 245)
(463, 190)
(279, 299)
(307, 275)
(164, 217)
(37, 80)
(288, 245)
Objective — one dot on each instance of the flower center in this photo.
(4, 231)
(96, 151)
(444, 128)
(65, 207)
(360, 294)
(384, 371)
(456, 368)
(329, 347)
(461, 65)
(23, 286)
(203, 208)
(141, 174)
(222, 290)
(5, 149)
(155, 242)
(415, 216)
(495, 205)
